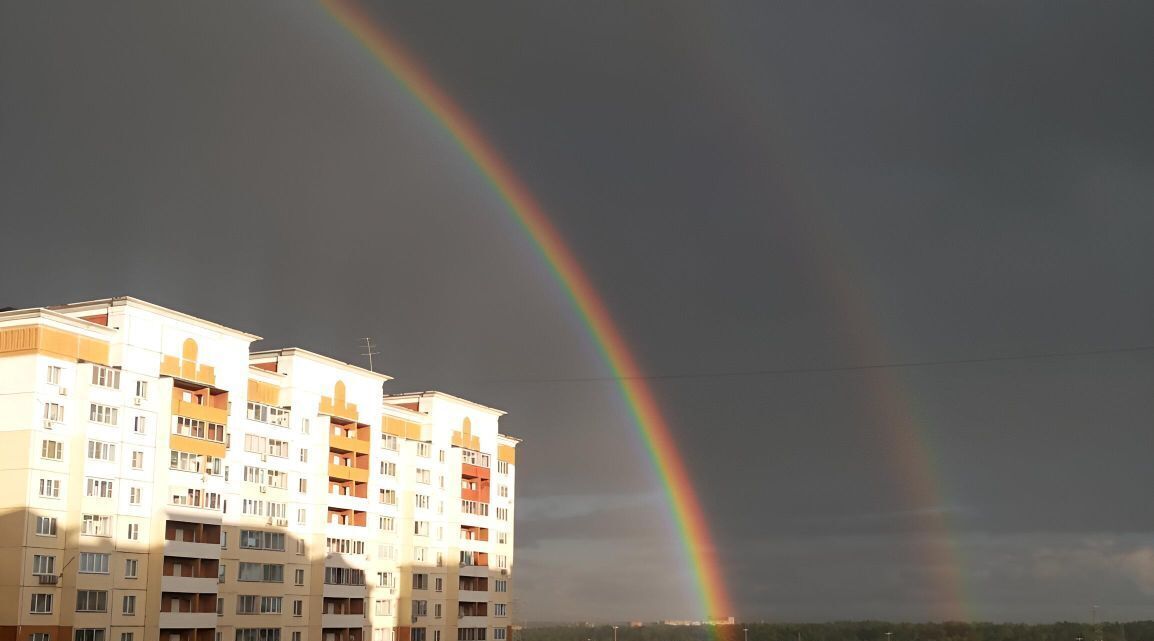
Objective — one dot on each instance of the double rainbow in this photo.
(663, 454)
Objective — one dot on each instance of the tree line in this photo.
(849, 631)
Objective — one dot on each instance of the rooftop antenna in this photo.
(369, 346)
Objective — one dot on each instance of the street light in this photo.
(614, 633)
(746, 631)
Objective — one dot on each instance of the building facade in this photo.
(162, 482)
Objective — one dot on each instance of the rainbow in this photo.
(667, 462)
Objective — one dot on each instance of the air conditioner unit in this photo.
(415, 618)
(263, 489)
(138, 401)
(48, 423)
(63, 391)
(269, 521)
(504, 572)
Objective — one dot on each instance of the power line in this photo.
(842, 368)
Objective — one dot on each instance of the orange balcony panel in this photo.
(260, 392)
(469, 471)
(188, 370)
(54, 342)
(338, 408)
(195, 445)
(200, 412)
(507, 453)
(348, 473)
(347, 444)
(481, 496)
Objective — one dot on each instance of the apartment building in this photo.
(163, 482)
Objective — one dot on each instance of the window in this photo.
(103, 414)
(53, 375)
(502, 561)
(105, 377)
(471, 634)
(126, 636)
(298, 607)
(133, 531)
(271, 604)
(502, 467)
(503, 491)
(265, 572)
(130, 568)
(474, 507)
(345, 546)
(302, 485)
(261, 540)
(88, 634)
(137, 460)
(128, 605)
(50, 488)
(296, 635)
(387, 523)
(302, 516)
(420, 608)
(139, 425)
(93, 563)
(43, 564)
(95, 525)
(498, 634)
(419, 553)
(344, 576)
(421, 501)
(142, 389)
(386, 579)
(499, 609)
(52, 450)
(101, 451)
(389, 442)
(420, 581)
(258, 634)
(46, 525)
(134, 495)
(421, 528)
(502, 538)
(41, 604)
(268, 414)
(424, 476)
(500, 585)
(439, 583)
(417, 634)
(98, 488)
(304, 455)
(437, 611)
(299, 577)
(54, 412)
(278, 448)
(383, 607)
(424, 450)
(92, 600)
(194, 428)
(39, 636)
(304, 426)
(388, 468)
(388, 497)
(503, 514)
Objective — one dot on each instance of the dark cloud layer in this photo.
(978, 174)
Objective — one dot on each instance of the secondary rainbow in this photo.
(664, 456)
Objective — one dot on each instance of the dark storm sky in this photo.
(976, 176)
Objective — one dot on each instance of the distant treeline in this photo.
(850, 631)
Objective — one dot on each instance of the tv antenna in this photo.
(369, 346)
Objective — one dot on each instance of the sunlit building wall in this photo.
(163, 481)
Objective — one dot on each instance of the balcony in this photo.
(348, 473)
(188, 619)
(190, 549)
(348, 444)
(188, 584)
(342, 620)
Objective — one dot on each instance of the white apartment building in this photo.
(161, 482)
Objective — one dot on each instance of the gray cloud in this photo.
(978, 174)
